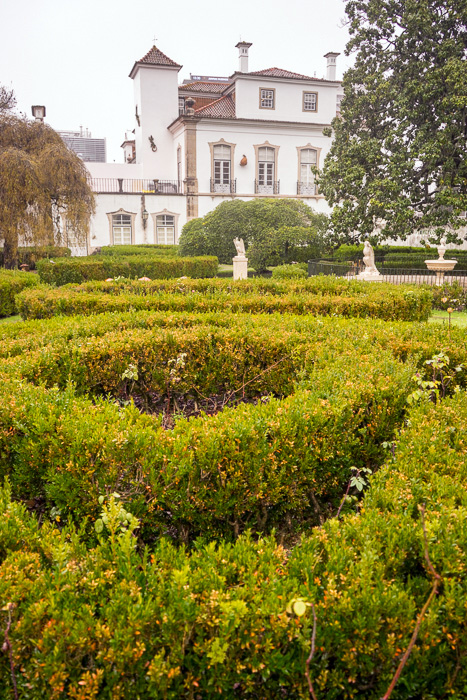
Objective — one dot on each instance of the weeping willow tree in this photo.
(43, 187)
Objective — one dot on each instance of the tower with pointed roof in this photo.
(155, 79)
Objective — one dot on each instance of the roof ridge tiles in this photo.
(156, 57)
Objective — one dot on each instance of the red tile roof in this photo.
(201, 86)
(156, 58)
(223, 108)
(280, 73)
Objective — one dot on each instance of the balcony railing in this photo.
(267, 188)
(108, 185)
(229, 187)
(306, 189)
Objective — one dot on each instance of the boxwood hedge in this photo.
(78, 270)
(12, 282)
(113, 621)
(317, 296)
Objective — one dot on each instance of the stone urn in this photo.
(441, 265)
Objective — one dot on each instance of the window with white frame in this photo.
(266, 166)
(181, 105)
(222, 164)
(165, 229)
(267, 98)
(121, 229)
(310, 101)
(308, 161)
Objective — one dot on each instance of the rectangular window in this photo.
(121, 229)
(181, 105)
(308, 161)
(221, 168)
(310, 101)
(267, 98)
(266, 170)
(165, 229)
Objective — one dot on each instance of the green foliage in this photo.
(318, 296)
(155, 250)
(31, 254)
(226, 615)
(251, 220)
(398, 161)
(287, 272)
(250, 466)
(450, 296)
(12, 282)
(194, 239)
(81, 269)
(289, 244)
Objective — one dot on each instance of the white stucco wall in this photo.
(156, 95)
(288, 100)
(244, 136)
(100, 234)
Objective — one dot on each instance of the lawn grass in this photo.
(10, 319)
(458, 318)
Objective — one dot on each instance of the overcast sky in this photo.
(75, 57)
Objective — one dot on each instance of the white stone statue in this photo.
(240, 247)
(370, 272)
(369, 257)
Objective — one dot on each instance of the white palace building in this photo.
(211, 139)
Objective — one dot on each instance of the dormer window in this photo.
(267, 98)
(310, 101)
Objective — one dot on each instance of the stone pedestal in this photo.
(240, 267)
(370, 276)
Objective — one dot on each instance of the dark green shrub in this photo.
(92, 268)
(289, 244)
(156, 250)
(289, 272)
(29, 255)
(250, 220)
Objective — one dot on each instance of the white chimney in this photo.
(331, 65)
(243, 47)
(38, 112)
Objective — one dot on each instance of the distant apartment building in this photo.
(88, 149)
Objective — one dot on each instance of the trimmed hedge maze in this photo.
(317, 296)
(197, 557)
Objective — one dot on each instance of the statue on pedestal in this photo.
(370, 272)
(240, 247)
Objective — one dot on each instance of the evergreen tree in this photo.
(398, 162)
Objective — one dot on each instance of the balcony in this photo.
(307, 189)
(107, 185)
(267, 187)
(229, 187)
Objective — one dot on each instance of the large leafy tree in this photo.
(398, 162)
(251, 220)
(42, 184)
